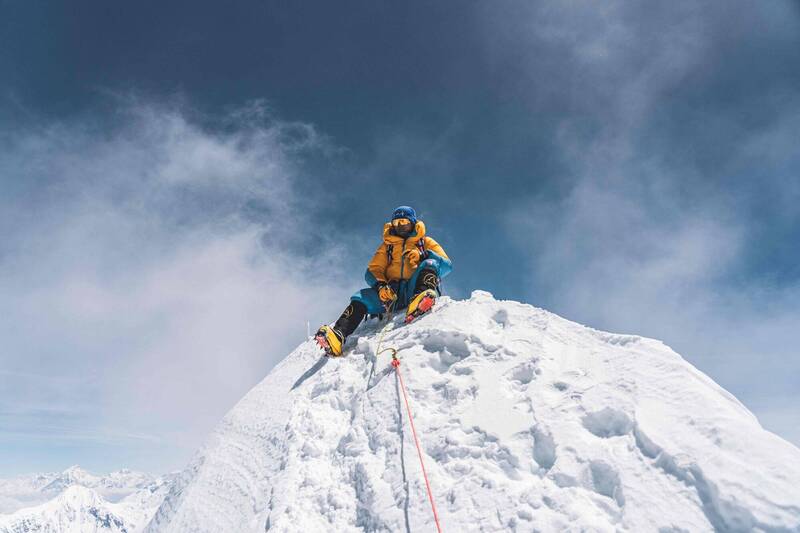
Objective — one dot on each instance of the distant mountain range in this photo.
(76, 501)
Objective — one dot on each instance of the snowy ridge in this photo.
(25, 491)
(76, 510)
(529, 422)
(79, 509)
(121, 481)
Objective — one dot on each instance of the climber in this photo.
(404, 273)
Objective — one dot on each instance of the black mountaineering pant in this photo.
(427, 279)
(351, 318)
(355, 312)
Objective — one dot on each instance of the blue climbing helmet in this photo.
(405, 212)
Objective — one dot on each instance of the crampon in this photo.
(421, 304)
(329, 340)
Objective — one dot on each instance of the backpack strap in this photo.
(421, 248)
(389, 249)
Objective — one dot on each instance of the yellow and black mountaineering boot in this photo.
(331, 340)
(421, 304)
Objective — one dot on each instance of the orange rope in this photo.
(396, 365)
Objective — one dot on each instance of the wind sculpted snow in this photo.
(528, 422)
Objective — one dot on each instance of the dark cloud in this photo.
(677, 130)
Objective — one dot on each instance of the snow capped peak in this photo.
(80, 509)
(527, 421)
(73, 475)
(77, 474)
(77, 497)
(23, 494)
(113, 486)
(77, 509)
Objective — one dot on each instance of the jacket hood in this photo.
(389, 238)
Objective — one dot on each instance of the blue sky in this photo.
(184, 185)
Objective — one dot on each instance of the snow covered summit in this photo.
(528, 422)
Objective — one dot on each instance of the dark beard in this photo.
(401, 233)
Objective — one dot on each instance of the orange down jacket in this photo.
(405, 253)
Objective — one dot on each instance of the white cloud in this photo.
(152, 271)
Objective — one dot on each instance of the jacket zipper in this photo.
(403, 258)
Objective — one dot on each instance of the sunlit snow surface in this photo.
(528, 422)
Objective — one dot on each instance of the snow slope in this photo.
(528, 422)
(79, 509)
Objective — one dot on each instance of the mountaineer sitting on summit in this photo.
(403, 273)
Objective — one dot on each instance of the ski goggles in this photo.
(400, 222)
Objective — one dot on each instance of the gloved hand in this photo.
(386, 293)
(414, 257)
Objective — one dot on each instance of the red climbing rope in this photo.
(396, 365)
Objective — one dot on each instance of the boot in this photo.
(420, 304)
(332, 339)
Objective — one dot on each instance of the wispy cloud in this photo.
(656, 218)
(153, 268)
